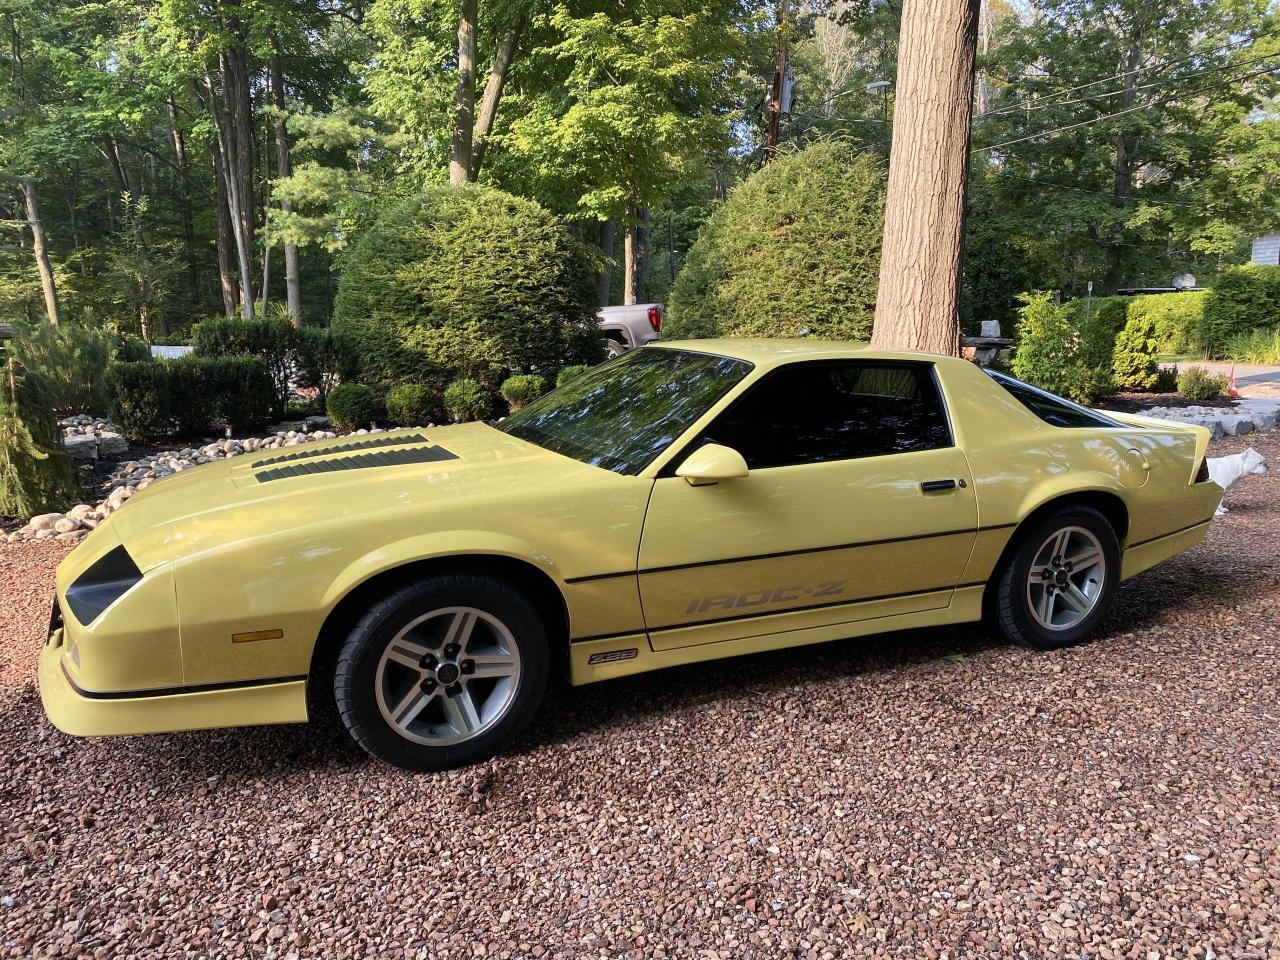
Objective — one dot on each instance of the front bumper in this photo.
(88, 714)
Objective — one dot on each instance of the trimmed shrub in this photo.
(523, 389)
(325, 358)
(272, 340)
(351, 406)
(36, 475)
(1097, 322)
(1134, 365)
(1051, 352)
(410, 405)
(795, 248)
(1198, 385)
(205, 392)
(467, 400)
(571, 372)
(139, 392)
(1167, 379)
(1178, 318)
(467, 282)
(1242, 299)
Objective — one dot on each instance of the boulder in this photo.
(66, 525)
(44, 521)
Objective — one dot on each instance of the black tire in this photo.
(614, 348)
(355, 677)
(1011, 611)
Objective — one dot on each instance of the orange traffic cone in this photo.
(1232, 392)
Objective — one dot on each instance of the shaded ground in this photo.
(913, 795)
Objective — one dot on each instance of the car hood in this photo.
(403, 472)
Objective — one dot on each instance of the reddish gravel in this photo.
(932, 794)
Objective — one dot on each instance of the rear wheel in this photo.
(1057, 586)
(442, 672)
(614, 348)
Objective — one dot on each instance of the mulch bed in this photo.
(923, 794)
(1137, 402)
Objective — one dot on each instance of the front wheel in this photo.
(442, 672)
(1060, 581)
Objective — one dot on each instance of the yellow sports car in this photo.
(683, 502)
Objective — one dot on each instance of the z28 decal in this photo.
(758, 598)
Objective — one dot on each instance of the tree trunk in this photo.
(642, 257)
(41, 250)
(464, 108)
(1122, 187)
(231, 184)
(774, 128)
(284, 167)
(604, 279)
(238, 138)
(225, 236)
(918, 303)
(630, 245)
(492, 95)
(184, 194)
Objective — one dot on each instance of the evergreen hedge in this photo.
(1242, 299)
(1134, 365)
(467, 281)
(1177, 318)
(272, 340)
(1053, 353)
(410, 405)
(466, 400)
(192, 395)
(795, 248)
(71, 362)
(352, 406)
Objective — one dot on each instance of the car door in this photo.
(857, 505)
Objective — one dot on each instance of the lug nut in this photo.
(468, 666)
(452, 650)
(428, 685)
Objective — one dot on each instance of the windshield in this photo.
(622, 414)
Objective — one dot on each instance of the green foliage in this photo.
(36, 475)
(71, 362)
(522, 390)
(205, 392)
(324, 359)
(467, 400)
(410, 404)
(1167, 379)
(139, 391)
(1053, 353)
(1134, 365)
(1254, 346)
(271, 339)
(1177, 317)
(466, 281)
(351, 406)
(1097, 321)
(795, 248)
(1242, 299)
(570, 372)
(1198, 385)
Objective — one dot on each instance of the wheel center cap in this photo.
(1062, 578)
(448, 673)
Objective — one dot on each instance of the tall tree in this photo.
(284, 168)
(464, 109)
(918, 303)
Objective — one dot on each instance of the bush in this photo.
(1134, 365)
(71, 362)
(36, 475)
(1178, 318)
(571, 372)
(205, 392)
(1256, 346)
(1198, 385)
(1167, 379)
(351, 406)
(410, 405)
(272, 340)
(467, 400)
(139, 392)
(1097, 322)
(324, 359)
(521, 390)
(467, 282)
(1051, 352)
(1242, 299)
(795, 248)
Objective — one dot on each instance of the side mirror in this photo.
(711, 464)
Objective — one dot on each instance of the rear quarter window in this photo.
(1050, 407)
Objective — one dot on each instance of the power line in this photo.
(1124, 73)
(1119, 113)
(1111, 93)
(1101, 193)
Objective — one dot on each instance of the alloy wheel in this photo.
(1066, 578)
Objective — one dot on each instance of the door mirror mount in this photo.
(711, 464)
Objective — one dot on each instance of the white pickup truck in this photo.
(630, 326)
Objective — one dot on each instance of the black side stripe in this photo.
(772, 613)
(174, 691)
(1190, 526)
(785, 553)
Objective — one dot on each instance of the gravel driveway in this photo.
(928, 794)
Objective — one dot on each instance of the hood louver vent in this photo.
(359, 461)
(322, 450)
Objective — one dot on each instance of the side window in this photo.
(815, 412)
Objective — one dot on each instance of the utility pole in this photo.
(773, 131)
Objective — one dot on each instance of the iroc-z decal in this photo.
(768, 595)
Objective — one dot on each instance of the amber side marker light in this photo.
(257, 635)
